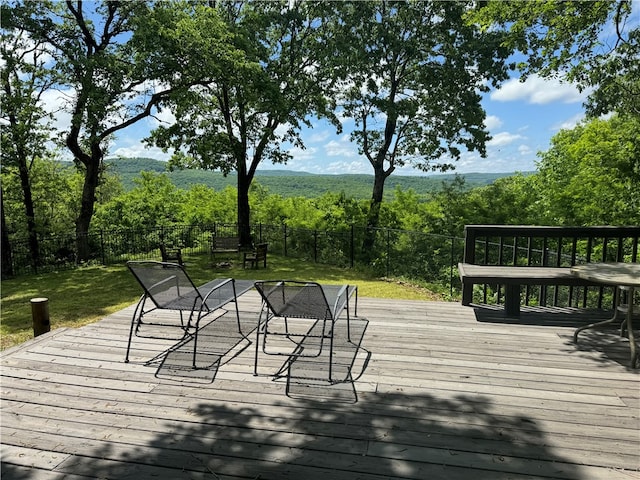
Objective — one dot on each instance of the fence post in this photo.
(388, 249)
(315, 246)
(352, 246)
(284, 240)
(40, 316)
(102, 249)
(451, 267)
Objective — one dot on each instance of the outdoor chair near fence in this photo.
(256, 257)
(171, 299)
(171, 254)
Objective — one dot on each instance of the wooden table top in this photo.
(616, 273)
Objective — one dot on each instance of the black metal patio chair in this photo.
(283, 300)
(168, 287)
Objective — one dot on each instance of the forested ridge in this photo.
(291, 183)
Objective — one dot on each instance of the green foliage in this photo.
(250, 107)
(154, 202)
(412, 72)
(592, 43)
(591, 174)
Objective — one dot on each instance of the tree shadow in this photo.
(394, 435)
(387, 436)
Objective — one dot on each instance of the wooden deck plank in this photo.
(450, 392)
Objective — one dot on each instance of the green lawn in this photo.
(85, 295)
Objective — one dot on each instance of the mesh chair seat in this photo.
(288, 299)
(167, 286)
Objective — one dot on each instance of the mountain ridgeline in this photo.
(293, 184)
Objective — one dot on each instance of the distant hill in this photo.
(294, 184)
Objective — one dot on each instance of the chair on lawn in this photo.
(256, 257)
(167, 287)
(283, 300)
(173, 255)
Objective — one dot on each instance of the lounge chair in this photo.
(288, 299)
(167, 286)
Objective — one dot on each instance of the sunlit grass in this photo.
(85, 295)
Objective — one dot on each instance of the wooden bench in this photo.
(224, 245)
(513, 278)
(257, 256)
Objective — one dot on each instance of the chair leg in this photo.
(255, 362)
(137, 315)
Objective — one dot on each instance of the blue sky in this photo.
(521, 117)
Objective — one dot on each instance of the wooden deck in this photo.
(451, 392)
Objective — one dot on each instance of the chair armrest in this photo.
(341, 301)
(227, 291)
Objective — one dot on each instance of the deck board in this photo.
(451, 392)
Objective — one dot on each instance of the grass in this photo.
(87, 294)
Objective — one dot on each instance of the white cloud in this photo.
(492, 122)
(498, 162)
(163, 117)
(318, 137)
(504, 138)
(525, 149)
(343, 147)
(538, 90)
(140, 150)
(302, 155)
(569, 123)
(355, 166)
(56, 102)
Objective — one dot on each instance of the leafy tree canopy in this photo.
(591, 174)
(595, 44)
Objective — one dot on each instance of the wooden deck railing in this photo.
(520, 245)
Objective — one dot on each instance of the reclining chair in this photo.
(167, 286)
(286, 299)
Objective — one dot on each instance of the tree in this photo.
(154, 202)
(111, 61)
(591, 173)
(591, 43)
(244, 116)
(27, 131)
(412, 77)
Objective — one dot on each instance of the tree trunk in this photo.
(34, 248)
(373, 217)
(5, 245)
(244, 211)
(83, 221)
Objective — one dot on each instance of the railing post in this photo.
(388, 249)
(102, 249)
(469, 257)
(469, 245)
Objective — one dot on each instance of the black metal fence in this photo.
(426, 257)
(430, 258)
